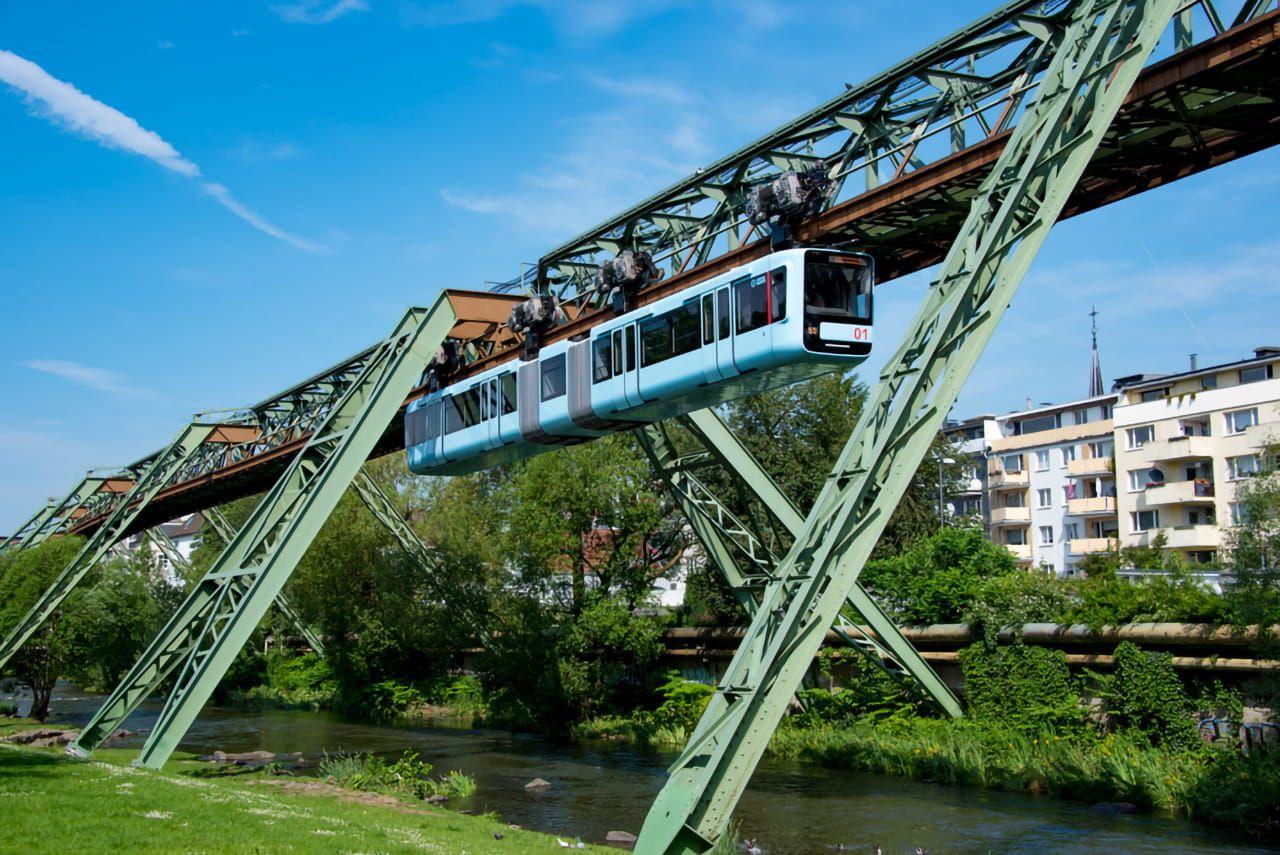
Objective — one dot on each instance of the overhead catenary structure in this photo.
(968, 153)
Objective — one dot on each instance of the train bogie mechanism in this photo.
(624, 276)
(788, 199)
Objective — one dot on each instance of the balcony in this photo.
(1020, 551)
(1261, 436)
(1091, 545)
(1177, 493)
(1178, 448)
(1083, 466)
(1010, 516)
(1184, 537)
(1097, 506)
(1000, 480)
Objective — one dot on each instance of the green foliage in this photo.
(683, 702)
(389, 699)
(7, 709)
(939, 577)
(407, 775)
(1013, 599)
(1144, 694)
(1020, 686)
(670, 724)
(864, 692)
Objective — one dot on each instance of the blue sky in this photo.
(252, 191)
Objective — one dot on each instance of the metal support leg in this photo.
(211, 627)
(155, 477)
(885, 648)
(1093, 67)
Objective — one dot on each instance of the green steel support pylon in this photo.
(169, 550)
(1094, 65)
(203, 637)
(155, 477)
(722, 534)
(53, 516)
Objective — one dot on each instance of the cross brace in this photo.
(1093, 65)
(211, 626)
(723, 534)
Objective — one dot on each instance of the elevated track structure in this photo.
(965, 154)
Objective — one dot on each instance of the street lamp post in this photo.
(942, 514)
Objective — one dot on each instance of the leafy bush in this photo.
(8, 709)
(1145, 694)
(407, 775)
(389, 699)
(1020, 685)
(683, 702)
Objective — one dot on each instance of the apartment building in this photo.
(970, 440)
(1051, 483)
(1184, 444)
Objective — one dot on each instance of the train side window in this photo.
(469, 406)
(414, 422)
(631, 347)
(601, 359)
(484, 401)
(778, 295)
(753, 309)
(655, 340)
(493, 398)
(722, 312)
(431, 421)
(708, 318)
(553, 377)
(509, 393)
(617, 352)
(452, 414)
(684, 328)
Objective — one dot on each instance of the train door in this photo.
(752, 338)
(630, 366)
(710, 346)
(724, 334)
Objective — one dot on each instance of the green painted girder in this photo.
(202, 638)
(722, 534)
(158, 473)
(1094, 64)
(54, 517)
(965, 88)
(160, 538)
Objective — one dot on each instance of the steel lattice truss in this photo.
(965, 89)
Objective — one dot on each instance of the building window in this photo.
(1240, 420)
(1209, 381)
(1099, 450)
(1140, 479)
(1239, 513)
(1145, 520)
(1042, 460)
(1015, 536)
(1044, 497)
(1081, 416)
(1067, 493)
(1256, 373)
(1140, 436)
(1071, 531)
(1068, 454)
(1037, 424)
(1242, 467)
(1015, 500)
(1012, 462)
(1155, 394)
(1046, 535)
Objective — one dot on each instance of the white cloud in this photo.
(66, 106)
(100, 379)
(578, 18)
(648, 89)
(317, 12)
(165, 44)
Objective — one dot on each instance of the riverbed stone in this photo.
(42, 738)
(622, 839)
(538, 784)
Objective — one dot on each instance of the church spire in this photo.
(1095, 374)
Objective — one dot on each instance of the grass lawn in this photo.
(49, 801)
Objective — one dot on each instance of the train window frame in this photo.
(655, 340)
(431, 422)
(452, 415)
(685, 322)
(777, 296)
(723, 312)
(469, 409)
(631, 347)
(510, 400)
(551, 378)
(709, 318)
(752, 286)
(602, 358)
(617, 353)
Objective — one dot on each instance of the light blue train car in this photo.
(789, 316)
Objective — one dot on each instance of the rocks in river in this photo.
(42, 738)
(255, 758)
(538, 784)
(436, 799)
(621, 839)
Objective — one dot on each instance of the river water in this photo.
(788, 808)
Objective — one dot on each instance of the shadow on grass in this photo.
(16, 762)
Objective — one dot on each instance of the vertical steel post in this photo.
(1094, 64)
(203, 637)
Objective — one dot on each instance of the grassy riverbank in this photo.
(106, 805)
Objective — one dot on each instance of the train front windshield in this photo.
(837, 288)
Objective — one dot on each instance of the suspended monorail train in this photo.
(789, 316)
